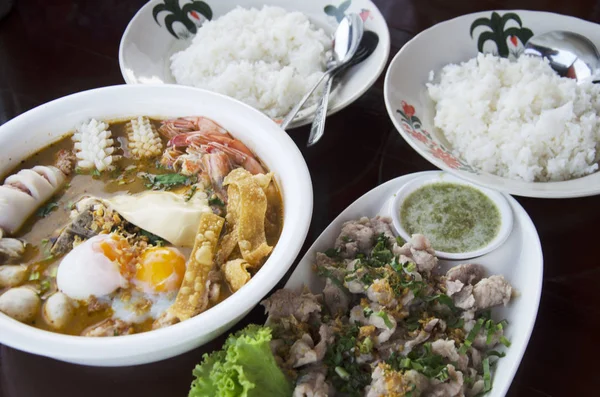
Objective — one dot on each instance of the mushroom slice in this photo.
(192, 297)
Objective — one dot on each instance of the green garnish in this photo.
(45, 285)
(471, 336)
(333, 253)
(400, 241)
(95, 173)
(495, 353)
(340, 355)
(166, 181)
(366, 346)
(385, 318)
(216, 201)
(422, 360)
(153, 238)
(505, 341)
(380, 254)
(346, 239)
(367, 311)
(487, 377)
(191, 193)
(47, 209)
(342, 373)
(34, 276)
(54, 271)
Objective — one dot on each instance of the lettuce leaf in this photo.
(244, 368)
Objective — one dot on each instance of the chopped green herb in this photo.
(152, 238)
(471, 336)
(409, 267)
(95, 173)
(191, 193)
(367, 311)
(504, 341)
(346, 239)
(54, 271)
(487, 377)
(380, 254)
(166, 181)
(400, 241)
(385, 318)
(341, 354)
(325, 272)
(34, 276)
(366, 346)
(45, 285)
(333, 253)
(495, 353)
(216, 201)
(47, 209)
(443, 375)
(422, 360)
(342, 372)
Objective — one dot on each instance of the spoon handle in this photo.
(292, 113)
(318, 126)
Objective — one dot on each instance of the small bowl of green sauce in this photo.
(460, 219)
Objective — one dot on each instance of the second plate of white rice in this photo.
(465, 98)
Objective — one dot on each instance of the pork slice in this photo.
(285, 303)
(109, 327)
(313, 384)
(356, 236)
(469, 273)
(492, 291)
(336, 299)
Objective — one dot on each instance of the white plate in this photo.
(451, 42)
(147, 45)
(519, 260)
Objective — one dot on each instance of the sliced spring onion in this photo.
(385, 318)
(487, 377)
(342, 373)
(471, 336)
(495, 353)
(34, 276)
(504, 341)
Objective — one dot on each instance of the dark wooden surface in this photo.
(51, 48)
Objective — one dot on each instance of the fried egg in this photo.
(93, 268)
(159, 270)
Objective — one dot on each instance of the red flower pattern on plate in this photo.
(408, 109)
(446, 157)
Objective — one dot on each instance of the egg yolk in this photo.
(161, 269)
(117, 249)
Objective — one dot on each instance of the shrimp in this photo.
(239, 157)
(173, 127)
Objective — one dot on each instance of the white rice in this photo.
(518, 119)
(267, 58)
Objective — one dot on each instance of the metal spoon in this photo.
(343, 34)
(365, 49)
(570, 54)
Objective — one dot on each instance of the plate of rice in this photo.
(267, 55)
(472, 104)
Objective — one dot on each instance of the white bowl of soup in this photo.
(140, 222)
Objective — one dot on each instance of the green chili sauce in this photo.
(455, 218)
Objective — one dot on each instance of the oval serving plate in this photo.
(161, 28)
(519, 259)
(455, 41)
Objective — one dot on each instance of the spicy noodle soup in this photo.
(134, 225)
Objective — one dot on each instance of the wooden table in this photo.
(51, 48)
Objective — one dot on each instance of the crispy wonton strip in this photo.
(236, 273)
(248, 203)
(192, 297)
